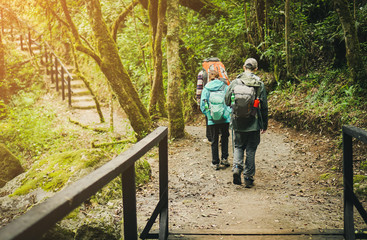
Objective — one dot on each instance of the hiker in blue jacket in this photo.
(247, 130)
(218, 114)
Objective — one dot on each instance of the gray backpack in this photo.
(243, 97)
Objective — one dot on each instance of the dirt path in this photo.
(288, 193)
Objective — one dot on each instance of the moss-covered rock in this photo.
(52, 173)
(10, 166)
(59, 233)
(86, 232)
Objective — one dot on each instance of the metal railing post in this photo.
(62, 83)
(348, 184)
(52, 69)
(69, 90)
(129, 203)
(30, 42)
(57, 74)
(163, 187)
(46, 61)
(21, 42)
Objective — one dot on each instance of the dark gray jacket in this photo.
(261, 116)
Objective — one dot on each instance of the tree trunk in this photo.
(111, 66)
(156, 23)
(288, 54)
(2, 59)
(204, 7)
(353, 49)
(260, 9)
(175, 114)
(2, 52)
(246, 22)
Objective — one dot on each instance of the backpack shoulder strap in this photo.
(223, 87)
(205, 76)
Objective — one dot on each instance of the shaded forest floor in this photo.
(294, 189)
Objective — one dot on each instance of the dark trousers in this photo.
(216, 130)
(245, 142)
(208, 133)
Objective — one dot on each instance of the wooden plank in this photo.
(272, 232)
(257, 237)
(42, 217)
(129, 203)
(347, 182)
(257, 234)
(158, 209)
(356, 132)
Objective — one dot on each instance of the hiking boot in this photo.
(237, 176)
(215, 166)
(249, 182)
(225, 162)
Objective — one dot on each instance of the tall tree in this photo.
(107, 57)
(260, 19)
(175, 114)
(2, 59)
(2, 53)
(157, 11)
(288, 54)
(353, 49)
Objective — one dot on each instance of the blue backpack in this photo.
(217, 107)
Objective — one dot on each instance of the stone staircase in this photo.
(80, 95)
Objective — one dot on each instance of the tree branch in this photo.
(78, 44)
(204, 7)
(121, 18)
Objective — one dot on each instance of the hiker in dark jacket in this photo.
(216, 127)
(247, 133)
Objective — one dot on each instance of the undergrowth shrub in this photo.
(322, 101)
(26, 130)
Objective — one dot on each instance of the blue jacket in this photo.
(214, 85)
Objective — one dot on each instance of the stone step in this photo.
(85, 98)
(80, 92)
(77, 84)
(83, 105)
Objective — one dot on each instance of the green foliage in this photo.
(20, 76)
(360, 185)
(53, 172)
(27, 129)
(113, 190)
(322, 101)
(143, 172)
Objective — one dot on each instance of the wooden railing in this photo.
(34, 223)
(59, 73)
(29, 37)
(350, 199)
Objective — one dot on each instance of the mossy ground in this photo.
(53, 172)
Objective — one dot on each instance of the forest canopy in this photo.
(122, 46)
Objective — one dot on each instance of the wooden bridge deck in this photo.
(258, 235)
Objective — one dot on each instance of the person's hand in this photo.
(262, 131)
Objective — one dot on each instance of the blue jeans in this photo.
(245, 141)
(216, 130)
